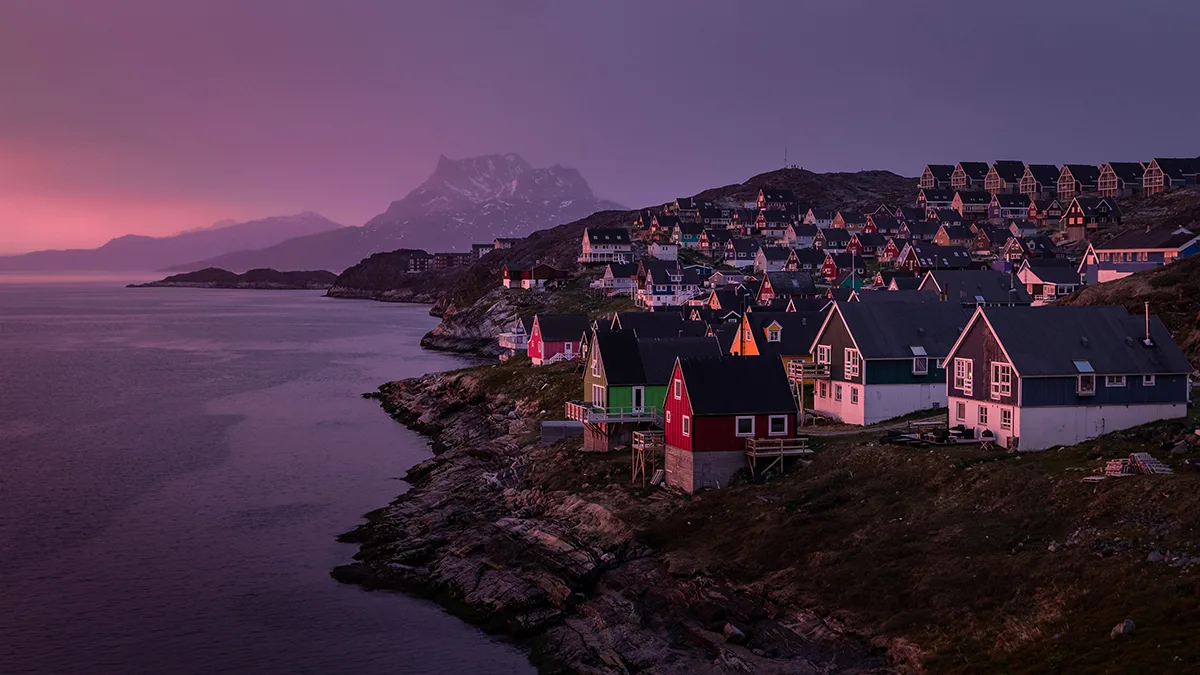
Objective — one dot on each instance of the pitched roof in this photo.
(923, 229)
(821, 214)
(618, 351)
(957, 232)
(1047, 174)
(621, 270)
(607, 235)
(775, 253)
(1086, 174)
(657, 355)
(791, 283)
(1108, 338)
(690, 229)
(883, 222)
(744, 245)
(1155, 237)
(658, 324)
(883, 330)
(1009, 170)
(910, 213)
(994, 233)
(810, 304)
(974, 170)
(855, 217)
(773, 216)
(803, 229)
(1178, 168)
(1023, 225)
(1130, 172)
(905, 283)
(937, 194)
(871, 239)
(562, 327)
(761, 385)
(1052, 271)
(1039, 243)
(946, 216)
(883, 295)
(778, 195)
(940, 171)
(731, 298)
(1089, 205)
(836, 235)
(930, 255)
(969, 286)
(974, 197)
(717, 236)
(796, 331)
(1007, 201)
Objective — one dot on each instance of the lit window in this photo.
(964, 371)
(852, 362)
(685, 424)
(983, 413)
(745, 426)
(777, 425)
(1001, 380)
(678, 389)
(1147, 380)
(1006, 419)
(960, 411)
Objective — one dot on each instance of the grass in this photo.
(947, 548)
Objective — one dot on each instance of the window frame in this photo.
(982, 415)
(823, 389)
(668, 417)
(920, 370)
(964, 382)
(854, 397)
(774, 335)
(599, 396)
(1114, 381)
(1001, 384)
(824, 354)
(852, 362)
(1006, 419)
(837, 392)
(771, 425)
(737, 423)
(960, 411)
(1079, 388)
(596, 365)
(685, 425)
(1148, 380)
(677, 389)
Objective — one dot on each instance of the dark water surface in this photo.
(174, 466)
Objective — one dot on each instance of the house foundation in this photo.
(607, 437)
(693, 471)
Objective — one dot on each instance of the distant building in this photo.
(1040, 181)
(1121, 179)
(936, 177)
(1077, 179)
(445, 261)
(480, 250)
(1004, 177)
(1136, 251)
(969, 176)
(1163, 174)
(606, 244)
(504, 242)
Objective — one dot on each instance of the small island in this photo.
(258, 279)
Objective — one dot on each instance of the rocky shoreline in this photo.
(563, 575)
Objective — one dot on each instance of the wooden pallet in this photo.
(1146, 463)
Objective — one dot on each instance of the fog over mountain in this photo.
(462, 202)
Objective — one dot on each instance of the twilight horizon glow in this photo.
(138, 116)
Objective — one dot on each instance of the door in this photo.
(568, 350)
(639, 396)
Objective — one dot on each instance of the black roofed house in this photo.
(1017, 248)
(1121, 179)
(799, 235)
(946, 217)
(668, 287)
(909, 214)
(936, 177)
(776, 199)
(618, 279)
(723, 279)
(662, 226)
(772, 224)
(1164, 174)
(904, 283)
(805, 260)
(1023, 228)
(891, 250)
(837, 263)
(734, 299)
(921, 230)
(785, 285)
(680, 204)
(866, 244)
(663, 250)
(786, 336)
(969, 176)
(706, 430)
(990, 239)
(771, 258)
(1048, 279)
(532, 276)
(883, 358)
(1040, 181)
(851, 221)
(712, 242)
(712, 316)
(923, 255)
(1099, 370)
(741, 252)
(934, 199)
(1137, 250)
(715, 216)
(1044, 212)
(954, 235)
(882, 210)
(882, 223)
(976, 287)
(1086, 215)
(656, 324)
(831, 239)
(606, 244)
(687, 235)
(971, 205)
(556, 337)
(1005, 207)
(1004, 177)
(884, 277)
(874, 295)
(1076, 179)
(822, 218)
(504, 242)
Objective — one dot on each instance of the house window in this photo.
(1147, 380)
(678, 389)
(1006, 419)
(598, 395)
(744, 426)
(823, 354)
(852, 362)
(960, 411)
(920, 365)
(596, 365)
(777, 425)
(1114, 381)
(1085, 385)
(964, 371)
(668, 417)
(748, 335)
(685, 423)
(824, 389)
(773, 335)
(853, 395)
(1001, 380)
(983, 412)
(837, 392)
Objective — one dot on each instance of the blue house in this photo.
(1096, 370)
(1136, 251)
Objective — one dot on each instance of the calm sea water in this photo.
(174, 467)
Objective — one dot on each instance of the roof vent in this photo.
(1128, 341)
(1084, 341)
(920, 331)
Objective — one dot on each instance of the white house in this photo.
(607, 244)
(664, 250)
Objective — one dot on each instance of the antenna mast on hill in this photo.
(785, 157)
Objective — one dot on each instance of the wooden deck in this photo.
(647, 449)
(772, 452)
(581, 411)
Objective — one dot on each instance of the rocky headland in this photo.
(258, 279)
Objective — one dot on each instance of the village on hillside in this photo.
(757, 323)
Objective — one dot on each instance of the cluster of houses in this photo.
(720, 378)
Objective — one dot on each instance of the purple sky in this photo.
(152, 116)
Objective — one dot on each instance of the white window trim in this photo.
(1000, 387)
(668, 417)
(596, 365)
(982, 415)
(1114, 381)
(960, 411)
(774, 336)
(685, 423)
(677, 389)
(854, 398)
(771, 423)
(837, 392)
(852, 362)
(737, 422)
(1006, 419)
(1147, 380)
(964, 381)
(823, 354)
(920, 369)
(1079, 390)
(598, 396)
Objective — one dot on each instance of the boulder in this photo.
(733, 634)
(1154, 557)
(1124, 628)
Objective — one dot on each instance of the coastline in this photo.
(483, 532)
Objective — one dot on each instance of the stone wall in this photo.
(694, 471)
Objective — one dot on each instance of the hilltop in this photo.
(859, 190)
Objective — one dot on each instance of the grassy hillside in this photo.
(860, 190)
(1173, 292)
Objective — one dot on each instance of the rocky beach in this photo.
(483, 532)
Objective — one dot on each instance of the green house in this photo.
(625, 378)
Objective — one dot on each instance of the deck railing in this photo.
(801, 370)
(582, 411)
(775, 447)
(514, 340)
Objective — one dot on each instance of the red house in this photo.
(706, 429)
(556, 337)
